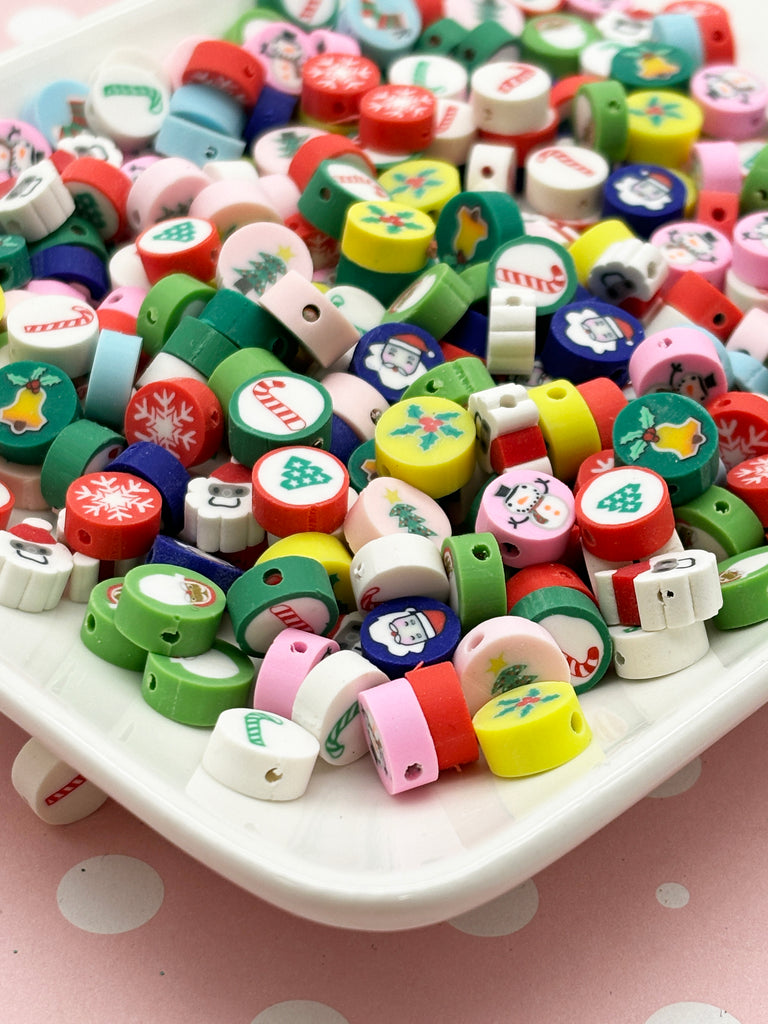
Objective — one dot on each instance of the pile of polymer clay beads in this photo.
(427, 349)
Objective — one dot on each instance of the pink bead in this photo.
(164, 189)
(732, 100)
(398, 736)
(285, 666)
(688, 245)
(283, 193)
(717, 166)
(232, 204)
(682, 360)
(374, 513)
(750, 249)
(751, 335)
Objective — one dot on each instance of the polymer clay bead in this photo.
(387, 236)
(742, 424)
(328, 550)
(256, 255)
(127, 100)
(56, 328)
(749, 261)
(217, 511)
(554, 42)
(37, 400)
(672, 435)
(747, 481)
(718, 521)
(530, 514)
(38, 203)
(499, 411)
(504, 652)
(110, 381)
(392, 355)
(646, 654)
(682, 360)
(663, 126)
(644, 195)
(408, 631)
(280, 593)
(398, 736)
(163, 470)
(697, 300)
(530, 729)
(34, 568)
(540, 272)
(473, 224)
(188, 245)
(694, 246)
(438, 691)
(397, 118)
(566, 182)
(624, 513)
(427, 442)
(298, 489)
(99, 633)
(111, 515)
(588, 339)
(511, 335)
(196, 689)
(491, 168)
(180, 414)
(261, 755)
(389, 506)
(326, 704)
(167, 550)
(475, 572)
(165, 189)
(733, 101)
(80, 447)
(391, 567)
(509, 97)
(56, 792)
(568, 426)
(291, 655)
(599, 118)
(100, 192)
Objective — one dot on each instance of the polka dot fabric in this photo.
(659, 918)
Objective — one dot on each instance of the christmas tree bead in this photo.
(476, 576)
(408, 631)
(387, 506)
(181, 245)
(37, 400)
(100, 192)
(720, 522)
(647, 654)
(743, 579)
(165, 189)
(169, 611)
(291, 591)
(428, 442)
(298, 489)
(275, 410)
(261, 755)
(196, 690)
(257, 255)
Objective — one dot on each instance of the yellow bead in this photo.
(663, 125)
(426, 185)
(326, 549)
(592, 243)
(386, 236)
(569, 428)
(691, 192)
(531, 729)
(428, 442)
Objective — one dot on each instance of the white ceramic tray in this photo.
(347, 854)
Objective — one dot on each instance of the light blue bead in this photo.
(679, 30)
(208, 107)
(179, 137)
(57, 106)
(395, 31)
(749, 374)
(112, 374)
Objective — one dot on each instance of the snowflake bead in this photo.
(111, 515)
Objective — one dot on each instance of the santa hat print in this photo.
(431, 619)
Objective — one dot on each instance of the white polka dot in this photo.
(110, 894)
(502, 916)
(299, 1011)
(680, 781)
(36, 23)
(691, 1013)
(672, 895)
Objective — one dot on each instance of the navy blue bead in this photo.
(273, 110)
(645, 196)
(400, 634)
(169, 551)
(72, 264)
(343, 439)
(392, 356)
(590, 339)
(470, 333)
(164, 471)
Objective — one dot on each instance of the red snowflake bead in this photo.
(181, 415)
(397, 118)
(226, 67)
(111, 515)
(333, 84)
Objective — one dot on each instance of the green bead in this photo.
(199, 345)
(74, 231)
(743, 584)
(485, 42)
(754, 188)
(169, 610)
(456, 379)
(165, 305)
(244, 364)
(383, 286)
(578, 628)
(335, 186)
(476, 575)
(652, 65)
(238, 31)
(601, 118)
(436, 301)
(83, 446)
(100, 634)
(555, 42)
(475, 277)
(718, 521)
(277, 594)
(441, 36)
(197, 689)
(247, 324)
(672, 435)
(361, 465)
(472, 226)
(15, 265)
(37, 400)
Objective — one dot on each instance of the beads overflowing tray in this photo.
(348, 854)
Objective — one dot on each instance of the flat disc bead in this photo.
(292, 591)
(387, 236)
(392, 355)
(398, 736)
(196, 689)
(694, 246)
(531, 729)
(472, 225)
(291, 655)
(720, 522)
(750, 262)
(427, 442)
(227, 67)
(476, 576)
(81, 447)
(409, 631)
(742, 425)
(188, 245)
(672, 435)
(100, 192)
(57, 793)
(438, 691)
(504, 652)
(37, 204)
(333, 85)
(733, 101)
(164, 189)
(180, 414)
(509, 98)
(328, 550)
(161, 468)
(169, 610)
(37, 400)
(256, 255)
(388, 506)
(298, 489)
(261, 755)
(397, 118)
(56, 328)
(392, 567)
(127, 102)
(530, 514)
(624, 514)
(749, 481)
(663, 126)
(326, 704)
(683, 360)
(743, 581)
(569, 429)
(537, 271)
(647, 654)
(99, 633)
(111, 515)
(566, 182)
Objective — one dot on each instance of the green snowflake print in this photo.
(657, 111)
(428, 428)
(523, 705)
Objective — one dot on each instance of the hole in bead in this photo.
(557, 394)
(273, 775)
(475, 642)
(470, 54)
(413, 771)
(84, 537)
(665, 343)
(651, 270)
(719, 319)
(620, 659)
(325, 193)
(722, 507)
(310, 313)
(487, 171)
(90, 623)
(272, 577)
(299, 647)
(434, 40)
(150, 315)
(151, 682)
(481, 552)
(512, 550)
(508, 402)
(577, 722)
(170, 636)
(432, 386)
(718, 213)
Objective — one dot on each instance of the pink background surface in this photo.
(658, 919)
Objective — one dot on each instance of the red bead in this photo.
(699, 300)
(718, 209)
(516, 448)
(181, 415)
(180, 245)
(597, 462)
(311, 154)
(111, 515)
(333, 84)
(397, 118)
(108, 188)
(749, 481)
(742, 425)
(441, 699)
(323, 249)
(562, 93)
(226, 67)
(605, 400)
(299, 489)
(545, 574)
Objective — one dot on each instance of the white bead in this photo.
(38, 203)
(594, 565)
(642, 654)
(260, 754)
(55, 791)
(164, 366)
(490, 168)
(397, 566)
(511, 340)
(56, 329)
(566, 182)
(510, 98)
(497, 411)
(454, 132)
(677, 590)
(630, 267)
